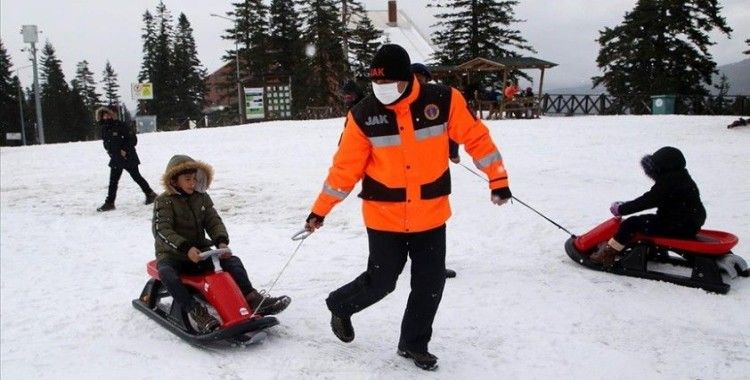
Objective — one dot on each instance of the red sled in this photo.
(239, 324)
(708, 256)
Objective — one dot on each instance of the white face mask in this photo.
(386, 93)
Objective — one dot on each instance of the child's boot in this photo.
(605, 255)
(267, 305)
(204, 321)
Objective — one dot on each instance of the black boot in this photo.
(204, 321)
(450, 273)
(424, 360)
(267, 305)
(107, 206)
(150, 197)
(342, 328)
(605, 255)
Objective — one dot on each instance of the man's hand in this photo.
(455, 159)
(500, 196)
(123, 153)
(194, 254)
(313, 222)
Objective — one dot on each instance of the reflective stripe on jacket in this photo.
(400, 152)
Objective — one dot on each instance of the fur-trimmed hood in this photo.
(100, 112)
(204, 173)
(664, 160)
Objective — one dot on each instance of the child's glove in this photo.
(614, 208)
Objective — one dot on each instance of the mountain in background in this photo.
(739, 77)
(737, 73)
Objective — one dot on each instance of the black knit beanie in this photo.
(391, 62)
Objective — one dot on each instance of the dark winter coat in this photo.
(674, 194)
(116, 136)
(181, 221)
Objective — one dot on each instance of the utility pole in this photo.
(31, 36)
(20, 104)
(237, 65)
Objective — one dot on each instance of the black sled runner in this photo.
(707, 256)
(239, 324)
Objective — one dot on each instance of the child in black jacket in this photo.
(119, 142)
(679, 210)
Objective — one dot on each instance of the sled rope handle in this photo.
(522, 202)
(297, 236)
(301, 234)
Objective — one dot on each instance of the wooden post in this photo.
(502, 90)
(539, 95)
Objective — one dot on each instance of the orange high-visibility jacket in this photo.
(400, 152)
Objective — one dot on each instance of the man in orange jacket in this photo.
(396, 143)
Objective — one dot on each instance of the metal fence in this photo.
(603, 104)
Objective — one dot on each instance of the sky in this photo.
(562, 31)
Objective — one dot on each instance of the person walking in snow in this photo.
(119, 142)
(396, 142)
(679, 210)
(183, 214)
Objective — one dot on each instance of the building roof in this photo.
(500, 64)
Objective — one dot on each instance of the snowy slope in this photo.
(519, 307)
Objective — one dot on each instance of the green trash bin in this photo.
(662, 104)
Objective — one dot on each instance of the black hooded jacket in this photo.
(116, 136)
(674, 194)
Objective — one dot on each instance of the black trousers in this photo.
(650, 224)
(170, 271)
(388, 253)
(114, 178)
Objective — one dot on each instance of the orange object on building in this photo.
(511, 91)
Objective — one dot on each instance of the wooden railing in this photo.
(602, 104)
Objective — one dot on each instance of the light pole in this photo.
(31, 36)
(20, 104)
(237, 65)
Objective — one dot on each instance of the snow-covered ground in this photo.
(519, 308)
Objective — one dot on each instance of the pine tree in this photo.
(661, 47)
(286, 48)
(350, 10)
(86, 81)
(323, 30)
(364, 44)
(55, 99)
(148, 65)
(476, 28)
(10, 120)
(111, 87)
(81, 115)
(189, 86)
(162, 77)
(250, 31)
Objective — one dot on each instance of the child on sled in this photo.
(679, 210)
(183, 214)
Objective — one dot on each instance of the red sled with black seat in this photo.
(238, 323)
(708, 255)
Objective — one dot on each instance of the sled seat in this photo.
(706, 243)
(194, 281)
